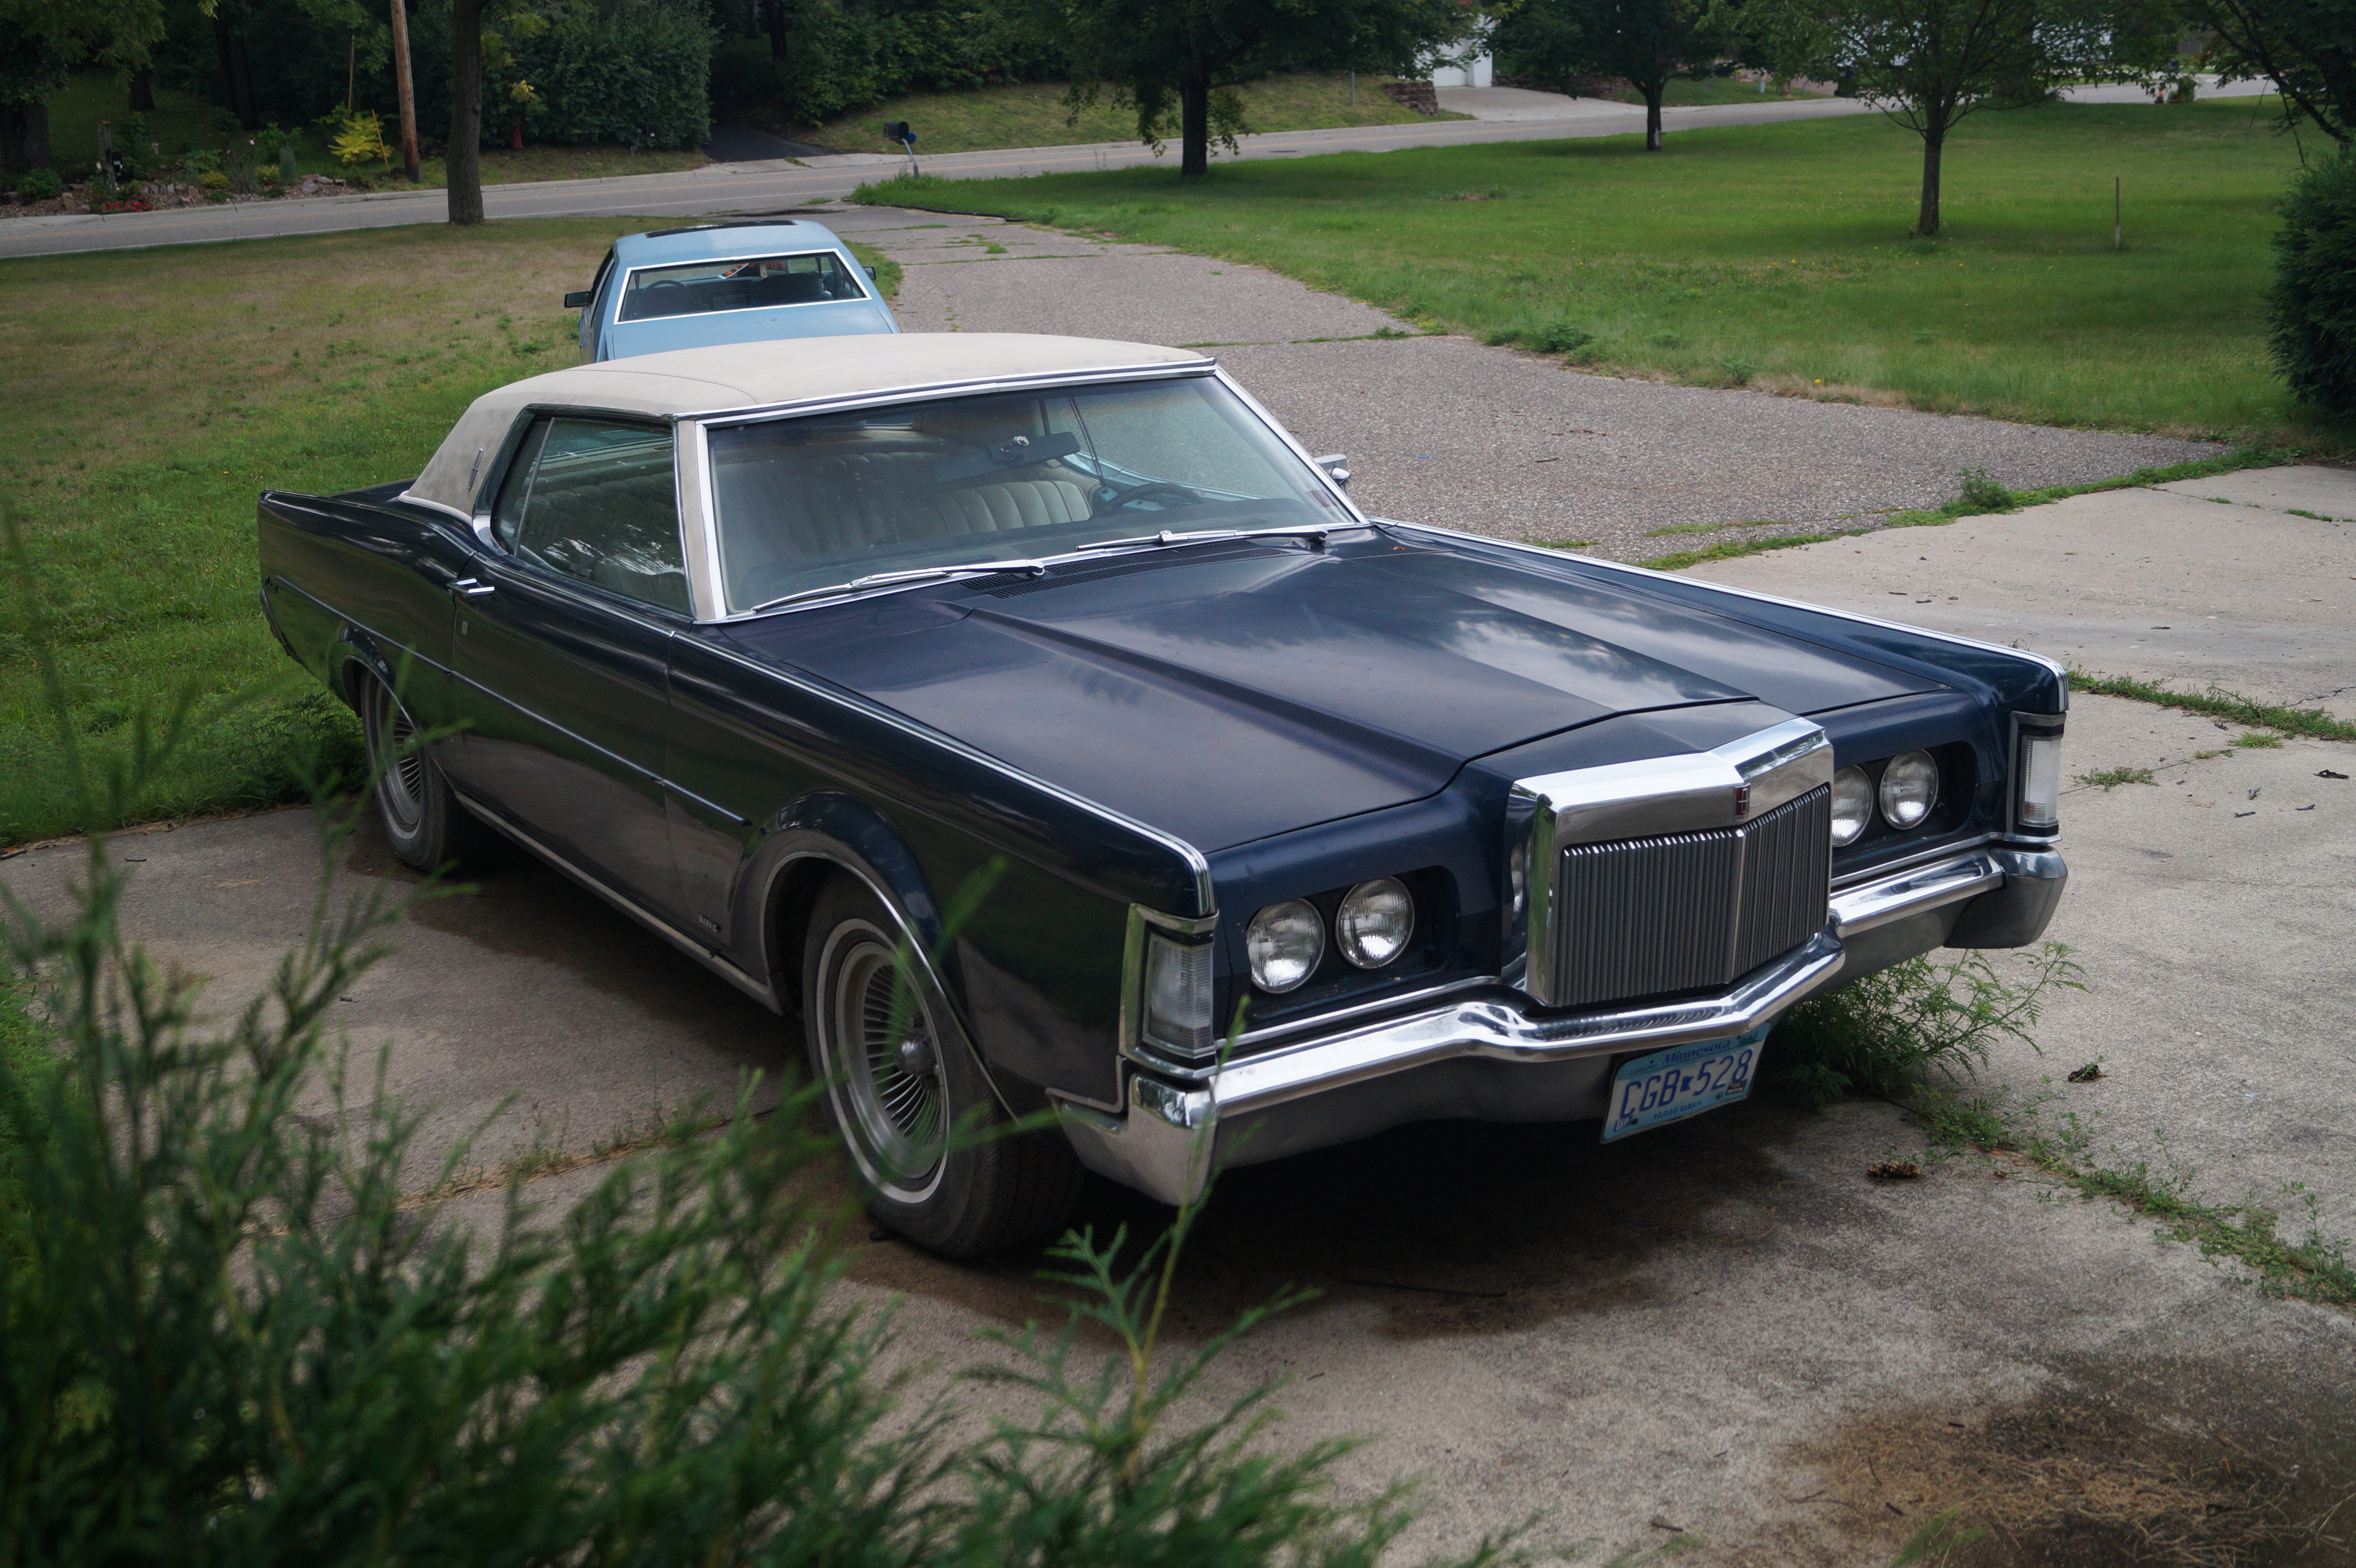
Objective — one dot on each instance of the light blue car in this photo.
(726, 283)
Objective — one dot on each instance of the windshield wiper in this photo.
(1199, 536)
(915, 574)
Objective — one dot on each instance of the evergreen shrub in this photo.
(2312, 305)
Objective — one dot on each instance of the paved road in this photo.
(772, 185)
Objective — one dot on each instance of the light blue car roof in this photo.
(603, 337)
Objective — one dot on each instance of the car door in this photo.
(563, 647)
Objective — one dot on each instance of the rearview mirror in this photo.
(577, 299)
(1337, 466)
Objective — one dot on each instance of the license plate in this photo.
(1670, 1085)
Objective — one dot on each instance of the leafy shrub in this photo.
(1979, 493)
(214, 180)
(1739, 370)
(1558, 337)
(233, 1338)
(2312, 303)
(39, 185)
(1884, 1034)
(839, 59)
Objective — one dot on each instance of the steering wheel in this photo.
(667, 283)
(1162, 487)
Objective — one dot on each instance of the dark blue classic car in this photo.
(1195, 805)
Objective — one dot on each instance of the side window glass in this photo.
(602, 507)
(506, 516)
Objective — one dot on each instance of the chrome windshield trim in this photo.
(910, 578)
(933, 391)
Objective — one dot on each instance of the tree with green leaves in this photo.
(40, 38)
(1177, 62)
(2305, 48)
(1649, 42)
(1927, 64)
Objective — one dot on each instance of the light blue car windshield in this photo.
(743, 282)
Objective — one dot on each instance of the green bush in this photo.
(1976, 493)
(236, 1329)
(1558, 337)
(638, 72)
(2312, 305)
(838, 59)
(1884, 1035)
(39, 185)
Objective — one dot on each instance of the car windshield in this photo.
(743, 282)
(812, 503)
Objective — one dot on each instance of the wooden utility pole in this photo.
(402, 91)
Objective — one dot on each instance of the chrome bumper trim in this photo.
(1163, 1146)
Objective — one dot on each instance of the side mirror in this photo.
(1337, 466)
(871, 275)
(577, 299)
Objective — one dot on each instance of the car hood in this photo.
(1250, 690)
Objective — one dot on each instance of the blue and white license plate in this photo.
(1670, 1085)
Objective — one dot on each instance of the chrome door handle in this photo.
(467, 587)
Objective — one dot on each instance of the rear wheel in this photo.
(422, 820)
(917, 1117)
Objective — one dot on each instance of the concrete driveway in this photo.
(1722, 1340)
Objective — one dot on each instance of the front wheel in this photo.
(924, 1136)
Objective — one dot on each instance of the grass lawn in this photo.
(1713, 89)
(181, 122)
(154, 393)
(1778, 255)
(1031, 115)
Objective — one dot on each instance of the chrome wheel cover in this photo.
(890, 1097)
(397, 761)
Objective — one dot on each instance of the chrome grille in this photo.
(1680, 911)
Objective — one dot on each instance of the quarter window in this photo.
(594, 499)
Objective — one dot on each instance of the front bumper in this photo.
(1485, 1054)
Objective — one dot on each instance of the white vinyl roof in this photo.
(761, 375)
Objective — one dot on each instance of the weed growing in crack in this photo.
(1886, 1034)
(2109, 778)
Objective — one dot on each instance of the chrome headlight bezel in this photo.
(1358, 927)
(1283, 937)
(1909, 791)
(1852, 805)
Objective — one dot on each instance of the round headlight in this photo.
(1852, 805)
(1374, 921)
(1909, 788)
(1284, 942)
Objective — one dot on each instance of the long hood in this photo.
(1266, 688)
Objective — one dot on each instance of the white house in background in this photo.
(1460, 70)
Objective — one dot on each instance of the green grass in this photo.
(2219, 703)
(33, 1066)
(2109, 778)
(1714, 90)
(139, 440)
(1032, 114)
(1676, 561)
(1783, 250)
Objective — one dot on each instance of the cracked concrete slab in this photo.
(2162, 584)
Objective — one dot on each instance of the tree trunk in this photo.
(1934, 137)
(464, 161)
(1194, 127)
(774, 13)
(24, 136)
(237, 76)
(1652, 92)
(404, 92)
(143, 90)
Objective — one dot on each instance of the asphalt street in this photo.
(1723, 1337)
